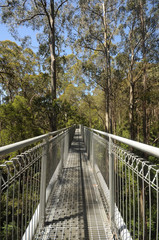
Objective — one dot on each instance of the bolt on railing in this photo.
(27, 179)
(129, 183)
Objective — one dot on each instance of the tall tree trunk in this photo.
(132, 101)
(144, 102)
(108, 122)
(53, 66)
(110, 94)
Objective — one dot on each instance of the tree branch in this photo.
(24, 3)
(59, 7)
(7, 73)
(32, 17)
(3, 6)
(86, 46)
(156, 140)
(99, 14)
(46, 12)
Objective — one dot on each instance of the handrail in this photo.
(154, 151)
(25, 181)
(129, 183)
(18, 145)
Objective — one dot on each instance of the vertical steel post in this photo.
(80, 127)
(92, 150)
(62, 150)
(90, 135)
(43, 183)
(82, 132)
(90, 143)
(87, 142)
(157, 220)
(0, 201)
(111, 184)
(65, 146)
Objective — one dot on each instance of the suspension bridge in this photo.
(79, 183)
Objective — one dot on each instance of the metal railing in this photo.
(26, 181)
(129, 183)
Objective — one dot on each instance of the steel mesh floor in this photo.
(75, 209)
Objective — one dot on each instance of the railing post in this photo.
(111, 184)
(88, 144)
(84, 135)
(63, 150)
(45, 153)
(66, 144)
(82, 132)
(0, 200)
(92, 150)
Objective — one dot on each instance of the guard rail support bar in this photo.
(111, 182)
(43, 181)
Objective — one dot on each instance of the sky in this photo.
(5, 35)
(24, 31)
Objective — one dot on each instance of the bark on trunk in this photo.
(132, 101)
(144, 103)
(108, 121)
(53, 66)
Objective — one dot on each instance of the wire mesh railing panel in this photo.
(136, 194)
(24, 181)
(54, 157)
(130, 184)
(101, 156)
(20, 192)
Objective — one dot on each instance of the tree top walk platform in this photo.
(79, 183)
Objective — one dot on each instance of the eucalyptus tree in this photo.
(17, 68)
(95, 27)
(148, 16)
(40, 15)
(139, 44)
(130, 41)
(17, 121)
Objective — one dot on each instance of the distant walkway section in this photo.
(75, 209)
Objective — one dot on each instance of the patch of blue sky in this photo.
(32, 43)
(22, 31)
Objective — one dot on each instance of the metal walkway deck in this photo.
(75, 209)
(50, 185)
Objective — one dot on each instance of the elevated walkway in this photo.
(64, 185)
(75, 209)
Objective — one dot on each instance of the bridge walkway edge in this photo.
(75, 209)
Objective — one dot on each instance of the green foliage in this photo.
(17, 122)
(16, 67)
